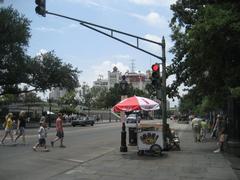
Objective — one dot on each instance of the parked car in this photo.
(83, 121)
(133, 118)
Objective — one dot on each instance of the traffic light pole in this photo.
(112, 33)
(164, 95)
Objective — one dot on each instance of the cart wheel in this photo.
(140, 152)
(156, 150)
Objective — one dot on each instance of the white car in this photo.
(133, 118)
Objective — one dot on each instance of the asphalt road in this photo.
(83, 144)
(93, 153)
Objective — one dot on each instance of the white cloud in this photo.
(60, 29)
(41, 51)
(153, 2)
(155, 48)
(106, 66)
(153, 37)
(46, 29)
(103, 4)
(153, 19)
(103, 68)
(122, 57)
(86, 2)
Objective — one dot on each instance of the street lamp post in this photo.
(123, 88)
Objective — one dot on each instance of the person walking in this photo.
(59, 129)
(221, 133)
(204, 128)
(196, 129)
(21, 125)
(8, 127)
(42, 135)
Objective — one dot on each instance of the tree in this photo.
(19, 72)
(99, 96)
(69, 98)
(47, 71)
(206, 49)
(29, 97)
(15, 34)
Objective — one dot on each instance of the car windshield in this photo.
(132, 116)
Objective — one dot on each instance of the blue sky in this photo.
(88, 50)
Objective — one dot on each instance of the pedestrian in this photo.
(196, 129)
(21, 125)
(42, 135)
(221, 133)
(59, 129)
(8, 125)
(204, 129)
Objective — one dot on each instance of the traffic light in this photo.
(41, 7)
(156, 75)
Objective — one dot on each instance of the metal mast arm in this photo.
(98, 28)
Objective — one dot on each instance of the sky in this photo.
(93, 53)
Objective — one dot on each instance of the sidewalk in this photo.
(194, 162)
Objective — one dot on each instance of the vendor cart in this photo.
(150, 139)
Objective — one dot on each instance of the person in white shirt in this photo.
(42, 134)
(196, 128)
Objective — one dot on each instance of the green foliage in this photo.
(235, 92)
(68, 110)
(29, 97)
(99, 97)
(206, 50)
(20, 73)
(47, 71)
(69, 98)
(15, 34)
(103, 98)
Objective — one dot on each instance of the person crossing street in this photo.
(60, 132)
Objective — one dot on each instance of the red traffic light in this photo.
(155, 67)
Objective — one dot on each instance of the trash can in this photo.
(132, 135)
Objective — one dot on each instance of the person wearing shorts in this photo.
(42, 134)
(21, 125)
(59, 129)
(8, 127)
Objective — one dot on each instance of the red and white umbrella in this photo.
(136, 103)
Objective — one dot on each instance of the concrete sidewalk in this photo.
(194, 162)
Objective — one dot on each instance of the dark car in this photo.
(83, 121)
(133, 118)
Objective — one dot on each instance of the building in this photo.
(100, 82)
(114, 77)
(138, 80)
(57, 93)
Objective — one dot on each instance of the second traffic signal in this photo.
(156, 82)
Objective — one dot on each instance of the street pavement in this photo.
(98, 157)
(195, 161)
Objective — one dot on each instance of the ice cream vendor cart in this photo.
(150, 138)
